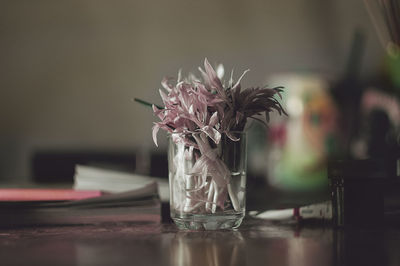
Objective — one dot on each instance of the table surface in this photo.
(256, 242)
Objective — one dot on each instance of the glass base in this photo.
(208, 222)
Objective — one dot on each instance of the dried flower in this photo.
(193, 106)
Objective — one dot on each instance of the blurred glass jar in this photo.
(299, 145)
(393, 64)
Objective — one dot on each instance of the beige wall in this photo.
(69, 69)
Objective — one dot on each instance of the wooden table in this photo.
(257, 242)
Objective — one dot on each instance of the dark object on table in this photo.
(52, 166)
(348, 90)
(159, 165)
(358, 188)
(59, 166)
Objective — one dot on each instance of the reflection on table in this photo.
(255, 243)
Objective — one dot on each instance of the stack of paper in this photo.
(138, 205)
(99, 196)
(91, 178)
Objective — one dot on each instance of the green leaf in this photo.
(147, 103)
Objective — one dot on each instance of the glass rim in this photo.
(197, 133)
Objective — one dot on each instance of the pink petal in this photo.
(199, 165)
(240, 79)
(212, 133)
(166, 85)
(212, 74)
(223, 194)
(221, 172)
(232, 137)
(158, 112)
(213, 119)
(239, 117)
(156, 127)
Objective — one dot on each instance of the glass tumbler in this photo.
(207, 180)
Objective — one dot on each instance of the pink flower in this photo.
(193, 106)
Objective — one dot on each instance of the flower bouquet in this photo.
(205, 120)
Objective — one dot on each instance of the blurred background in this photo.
(70, 69)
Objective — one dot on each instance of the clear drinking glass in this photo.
(207, 181)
